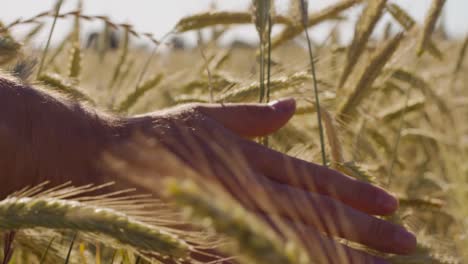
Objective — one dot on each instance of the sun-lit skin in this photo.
(46, 137)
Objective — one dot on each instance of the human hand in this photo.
(328, 204)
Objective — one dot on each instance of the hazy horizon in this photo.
(157, 18)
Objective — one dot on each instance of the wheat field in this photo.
(387, 110)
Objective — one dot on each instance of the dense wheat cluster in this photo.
(388, 110)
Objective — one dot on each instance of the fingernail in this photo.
(404, 240)
(387, 202)
(284, 105)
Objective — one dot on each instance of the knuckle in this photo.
(195, 107)
(192, 114)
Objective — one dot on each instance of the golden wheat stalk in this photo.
(276, 85)
(141, 90)
(77, 13)
(429, 25)
(366, 24)
(389, 86)
(408, 23)
(187, 99)
(74, 68)
(213, 18)
(208, 71)
(332, 136)
(367, 77)
(201, 85)
(424, 134)
(460, 59)
(395, 112)
(122, 58)
(56, 82)
(57, 7)
(328, 13)
(21, 213)
(354, 170)
(9, 48)
(33, 32)
(380, 140)
(42, 244)
(421, 84)
(261, 11)
(420, 202)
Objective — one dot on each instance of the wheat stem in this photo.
(43, 257)
(314, 78)
(397, 140)
(70, 248)
(460, 59)
(429, 25)
(58, 5)
(122, 58)
(208, 71)
(270, 26)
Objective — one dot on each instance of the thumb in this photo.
(252, 120)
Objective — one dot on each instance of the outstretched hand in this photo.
(45, 137)
(336, 205)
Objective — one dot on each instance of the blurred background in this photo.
(159, 17)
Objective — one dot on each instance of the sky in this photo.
(159, 17)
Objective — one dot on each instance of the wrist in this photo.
(44, 137)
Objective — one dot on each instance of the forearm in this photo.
(45, 137)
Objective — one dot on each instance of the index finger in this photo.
(316, 178)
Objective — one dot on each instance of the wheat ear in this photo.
(367, 78)
(208, 19)
(56, 82)
(408, 23)
(74, 68)
(276, 84)
(366, 24)
(20, 213)
(392, 113)
(133, 98)
(329, 13)
(332, 135)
